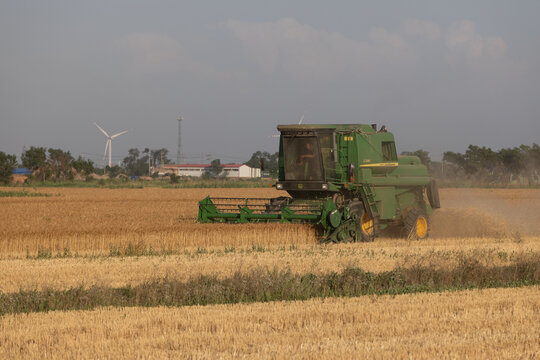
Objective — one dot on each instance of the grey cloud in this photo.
(157, 54)
(420, 28)
(465, 44)
(302, 50)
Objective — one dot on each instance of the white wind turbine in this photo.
(109, 143)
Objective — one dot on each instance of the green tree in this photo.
(82, 166)
(265, 161)
(531, 162)
(480, 159)
(159, 157)
(513, 161)
(113, 171)
(477, 160)
(454, 158)
(7, 165)
(135, 164)
(531, 155)
(215, 168)
(34, 158)
(59, 163)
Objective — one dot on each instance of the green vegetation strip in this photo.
(22, 194)
(263, 285)
(179, 183)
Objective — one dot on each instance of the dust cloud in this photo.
(487, 213)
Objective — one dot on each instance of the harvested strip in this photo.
(494, 323)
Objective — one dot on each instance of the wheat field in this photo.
(495, 323)
(124, 237)
(96, 221)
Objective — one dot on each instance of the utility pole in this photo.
(442, 166)
(179, 152)
(150, 163)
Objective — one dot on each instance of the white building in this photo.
(229, 170)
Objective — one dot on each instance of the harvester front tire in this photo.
(365, 225)
(416, 225)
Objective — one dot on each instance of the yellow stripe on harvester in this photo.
(379, 164)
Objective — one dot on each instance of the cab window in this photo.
(389, 151)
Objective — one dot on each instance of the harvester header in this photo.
(346, 178)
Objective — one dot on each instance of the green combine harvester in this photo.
(345, 179)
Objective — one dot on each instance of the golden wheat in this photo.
(495, 323)
(99, 220)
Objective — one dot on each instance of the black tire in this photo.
(416, 225)
(365, 226)
(433, 195)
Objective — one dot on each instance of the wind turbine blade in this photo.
(103, 131)
(301, 119)
(120, 133)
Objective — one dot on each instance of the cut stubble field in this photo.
(487, 324)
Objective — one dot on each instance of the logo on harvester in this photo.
(300, 186)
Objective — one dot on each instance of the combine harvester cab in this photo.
(346, 179)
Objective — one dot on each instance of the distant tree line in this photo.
(479, 164)
(138, 163)
(486, 166)
(46, 164)
(503, 166)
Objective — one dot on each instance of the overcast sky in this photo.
(440, 75)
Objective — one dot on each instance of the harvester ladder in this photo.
(368, 196)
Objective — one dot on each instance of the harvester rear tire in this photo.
(433, 195)
(416, 225)
(365, 225)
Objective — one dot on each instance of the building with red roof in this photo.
(228, 170)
